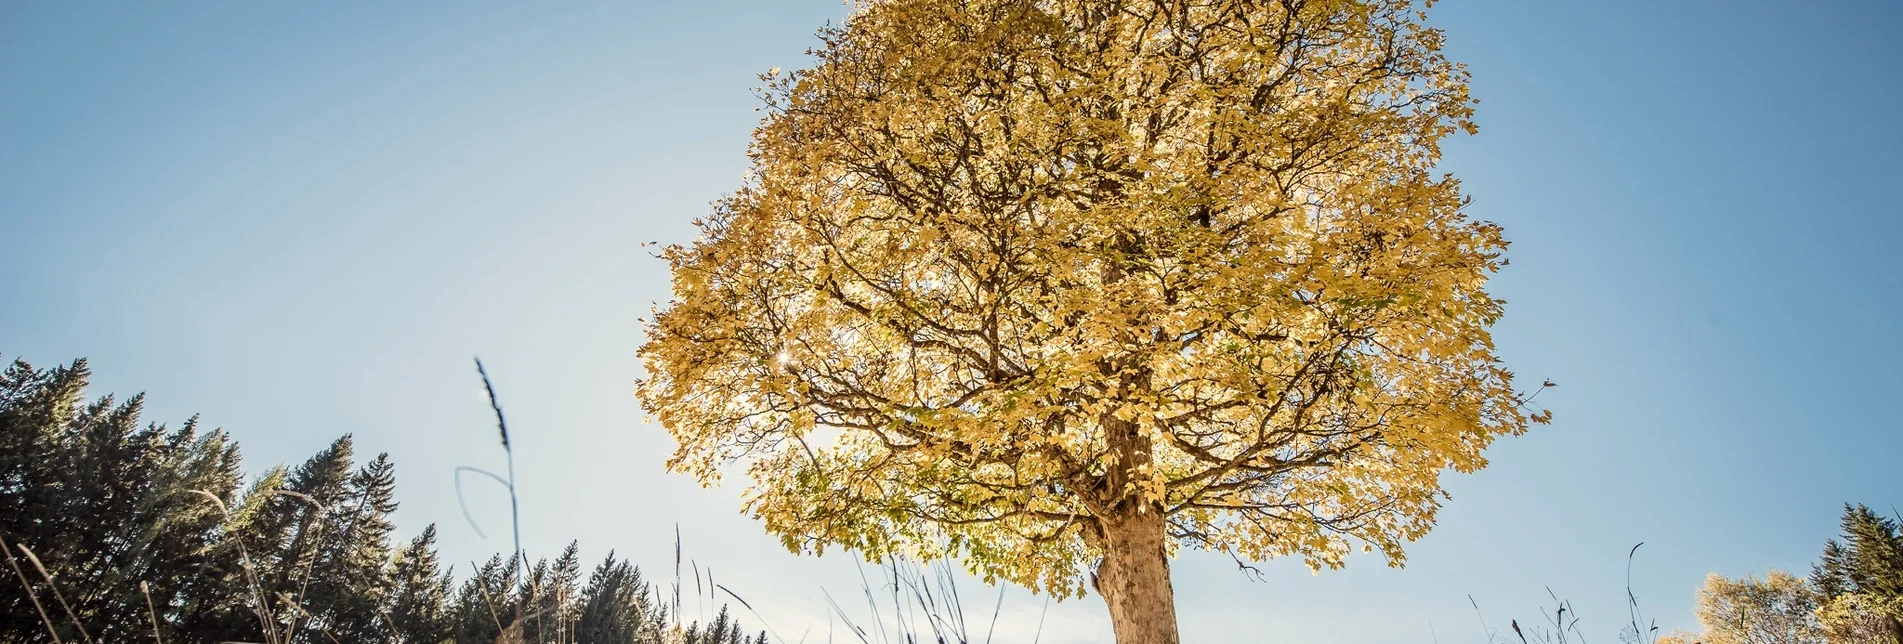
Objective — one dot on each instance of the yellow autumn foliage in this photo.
(1002, 269)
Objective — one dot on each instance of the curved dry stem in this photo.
(55, 588)
(263, 609)
(50, 630)
(297, 607)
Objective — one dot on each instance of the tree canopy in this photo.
(1012, 280)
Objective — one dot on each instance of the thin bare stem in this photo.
(502, 426)
(316, 518)
(251, 572)
(50, 630)
(1040, 620)
(395, 635)
(56, 594)
(756, 614)
(483, 586)
(995, 610)
(534, 603)
(151, 611)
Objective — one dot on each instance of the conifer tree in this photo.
(101, 502)
(619, 607)
(1868, 560)
(317, 490)
(108, 503)
(419, 592)
(482, 609)
(1861, 579)
(349, 577)
(561, 597)
(279, 526)
(548, 597)
(225, 602)
(529, 599)
(165, 540)
(723, 630)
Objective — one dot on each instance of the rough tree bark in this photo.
(1134, 577)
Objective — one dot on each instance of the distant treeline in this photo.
(1854, 594)
(121, 531)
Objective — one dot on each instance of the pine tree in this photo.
(562, 597)
(482, 610)
(103, 503)
(116, 509)
(1868, 560)
(319, 487)
(419, 593)
(619, 607)
(1832, 567)
(171, 531)
(280, 526)
(349, 575)
(1861, 578)
(723, 630)
(225, 602)
(42, 493)
(548, 596)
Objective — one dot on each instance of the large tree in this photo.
(418, 600)
(619, 607)
(350, 579)
(101, 501)
(1861, 579)
(1058, 287)
(1777, 609)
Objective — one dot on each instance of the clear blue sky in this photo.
(302, 218)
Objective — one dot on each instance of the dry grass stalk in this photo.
(50, 585)
(152, 611)
(48, 621)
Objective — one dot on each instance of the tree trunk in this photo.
(1134, 577)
